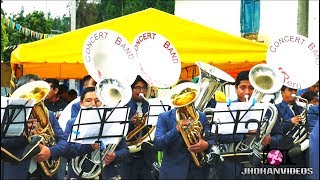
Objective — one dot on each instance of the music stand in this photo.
(154, 111)
(106, 120)
(14, 118)
(235, 120)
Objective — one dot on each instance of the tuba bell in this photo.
(210, 79)
(183, 97)
(38, 90)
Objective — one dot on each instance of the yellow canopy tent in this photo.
(61, 56)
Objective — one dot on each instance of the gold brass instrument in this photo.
(38, 90)
(183, 97)
(102, 59)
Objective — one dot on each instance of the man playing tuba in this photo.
(177, 162)
(28, 168)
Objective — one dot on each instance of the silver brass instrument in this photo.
(183, 96)
(265, 80)
(102, 59)
(210, 79)
(300, 131)
(38, 90)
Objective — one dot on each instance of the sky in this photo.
(55, 7)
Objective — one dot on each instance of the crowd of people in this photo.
(178, 160)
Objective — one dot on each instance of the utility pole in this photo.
(303, 16)
(72, 82)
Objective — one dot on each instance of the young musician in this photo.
(22, 170)
(244, 90)
(90, 99)
(289, 116)
(139, 164)
(177, 162)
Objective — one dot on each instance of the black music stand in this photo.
(14, 122)
(238, 119)
(102, 119)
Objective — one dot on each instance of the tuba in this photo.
(183, 97)
(163, 54)
(38, 90)
(286, 58)
(210, 79)
(102, 59)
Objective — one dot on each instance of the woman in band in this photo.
(177, 162)
(26, 169)
(139, 164)
(89, 99)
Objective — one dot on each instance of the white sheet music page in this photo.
(19, 114)
(223, 115)
(157, 106)
(85, 130)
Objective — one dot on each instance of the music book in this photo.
(236, 115)
(89, 122)
(14, 113)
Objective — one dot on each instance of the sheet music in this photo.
(256, 112)
(157, 106)
(90, 130)
(19, 114)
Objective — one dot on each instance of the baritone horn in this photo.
(38, 90)
(182, 97)
(103, 58)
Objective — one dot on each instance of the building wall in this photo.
(276, 17)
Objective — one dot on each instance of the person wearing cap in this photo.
(313, 88)
(289, 116)
(244, 90)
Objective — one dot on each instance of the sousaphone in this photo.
(153, 51)
(110, 60)
(297, 58)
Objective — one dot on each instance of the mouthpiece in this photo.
(142, 96)
(294, 96)
(246, 96)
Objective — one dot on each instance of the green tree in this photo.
(4, 39)
(86, 13)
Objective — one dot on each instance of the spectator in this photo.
(72, 95)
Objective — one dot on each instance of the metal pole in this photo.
(72, 82)
(303, 16)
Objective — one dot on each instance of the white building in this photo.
(275, 16)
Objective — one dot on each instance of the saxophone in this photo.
(38, 90)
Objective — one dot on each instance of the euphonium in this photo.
(183, 97)
(38, 90)
(135, 145)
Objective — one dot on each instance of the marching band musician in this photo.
(244, 90)
(139, 164)
(89, 99)
(27, 169)
(314, 150)
(289, 116)
(177, 162)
